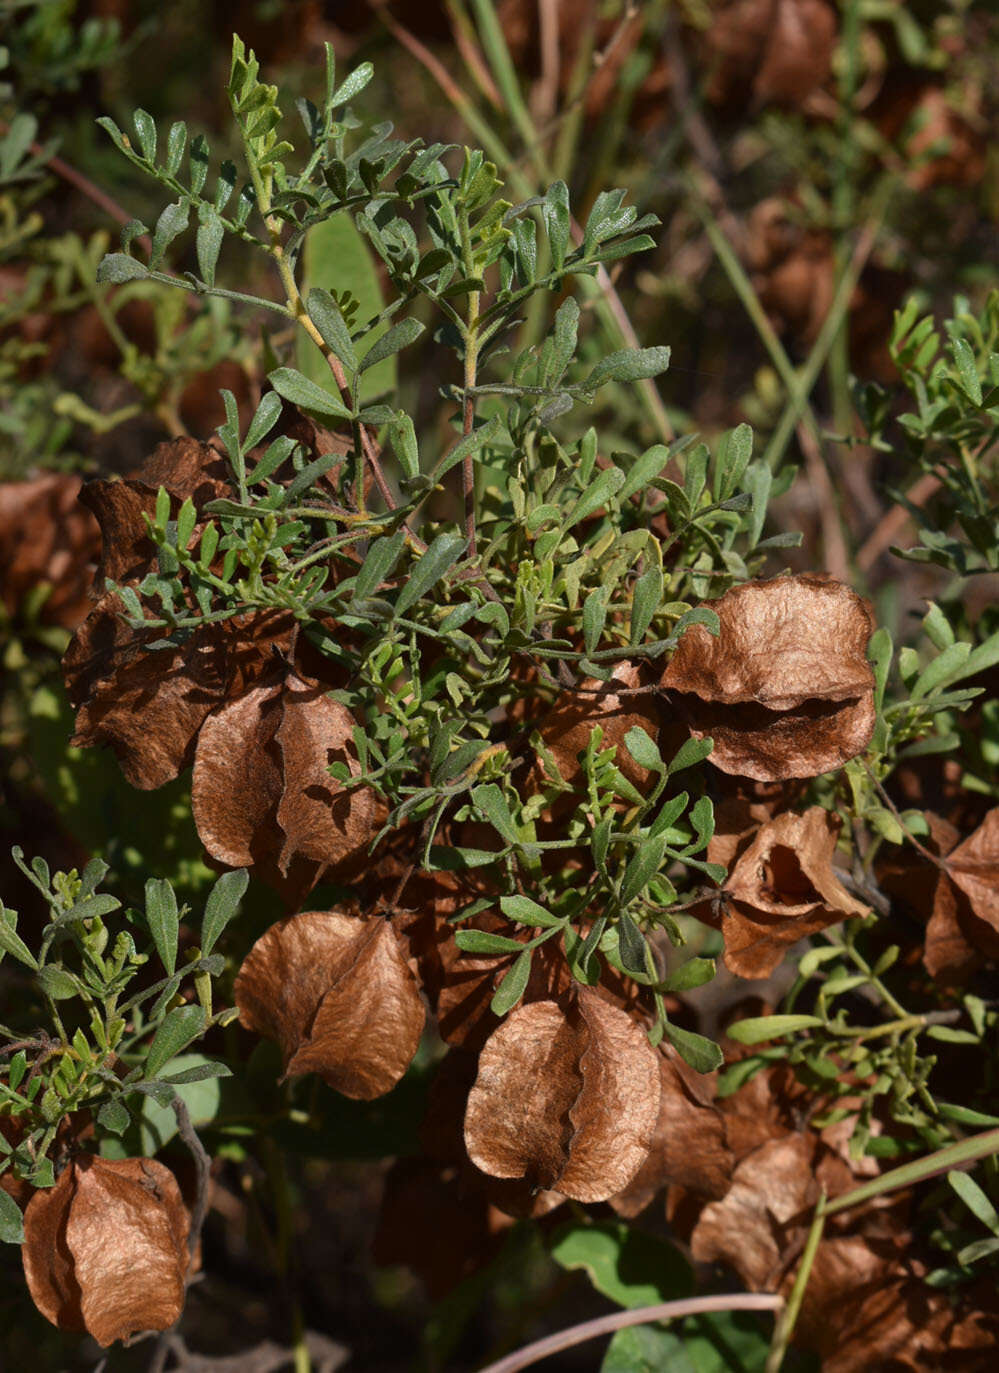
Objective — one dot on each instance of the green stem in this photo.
(843, 207)
(832, 328)
(951, 1156)
(787, 1318)
(743, 288)
(498, 53)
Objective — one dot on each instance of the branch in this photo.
(620, 1320)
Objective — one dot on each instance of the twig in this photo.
(894, 521)
(834, 552)
(620, 1320)
(935, 859)
(686, 106)
(203, 1169)
(466, 41)
(92, 192)
(466, 109)
(546, 91)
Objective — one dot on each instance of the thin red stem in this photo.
(620, 1320)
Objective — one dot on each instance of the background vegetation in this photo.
(825, 180)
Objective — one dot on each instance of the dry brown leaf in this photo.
(185, 468)
(337, 994)
(424, 1198)
(771, 1187)
(106, 1248)
(567, 727)
(782, 887)
(45, 536)
(785, 690)
(769, 51)
(237, 779)
(974, 868)
(566, 1098)
(147, 707)
(956, 898)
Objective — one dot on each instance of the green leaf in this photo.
(301, 391)
(325, 315)
(470, 443)
(11, 942)
(11, 1222)
(596, 495)
(758, 1028)
(114, 1116)
(402, 434)
(642, 867)
(200, 1072)
(202, 1097)
(179, 1028)
(732, 455)
(102, 904)
(594, 618)
(643, 750)
(208, 243)
(646, 599)
(116, 268)
(945, 667)
(670, 813)
(383, 554)
(186, 517)
(628, 365)
(145, 129)
(555, 210)
(162, 919)
(975, 1199)
(694, 973)
(699, 1053)
(967, 369)
(630, 1266)
(407, 331)
(702, 817)
(57, 983)
(442, 554)
(267, 415)
(691, 753)
(481, 941)
(646, 1349)
(643, 470)
(223, 901)
(512, 984)
(336, 258)
(631, 945)
(171, 223)
(492, 803)
(718, 1342)
(528, 912)
(354, 84)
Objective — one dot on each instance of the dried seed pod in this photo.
(688, 1148)
(566, 1098)
(785, 689)
(262, 794)
(782, 886)
(106, 1248)
(337, 994)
